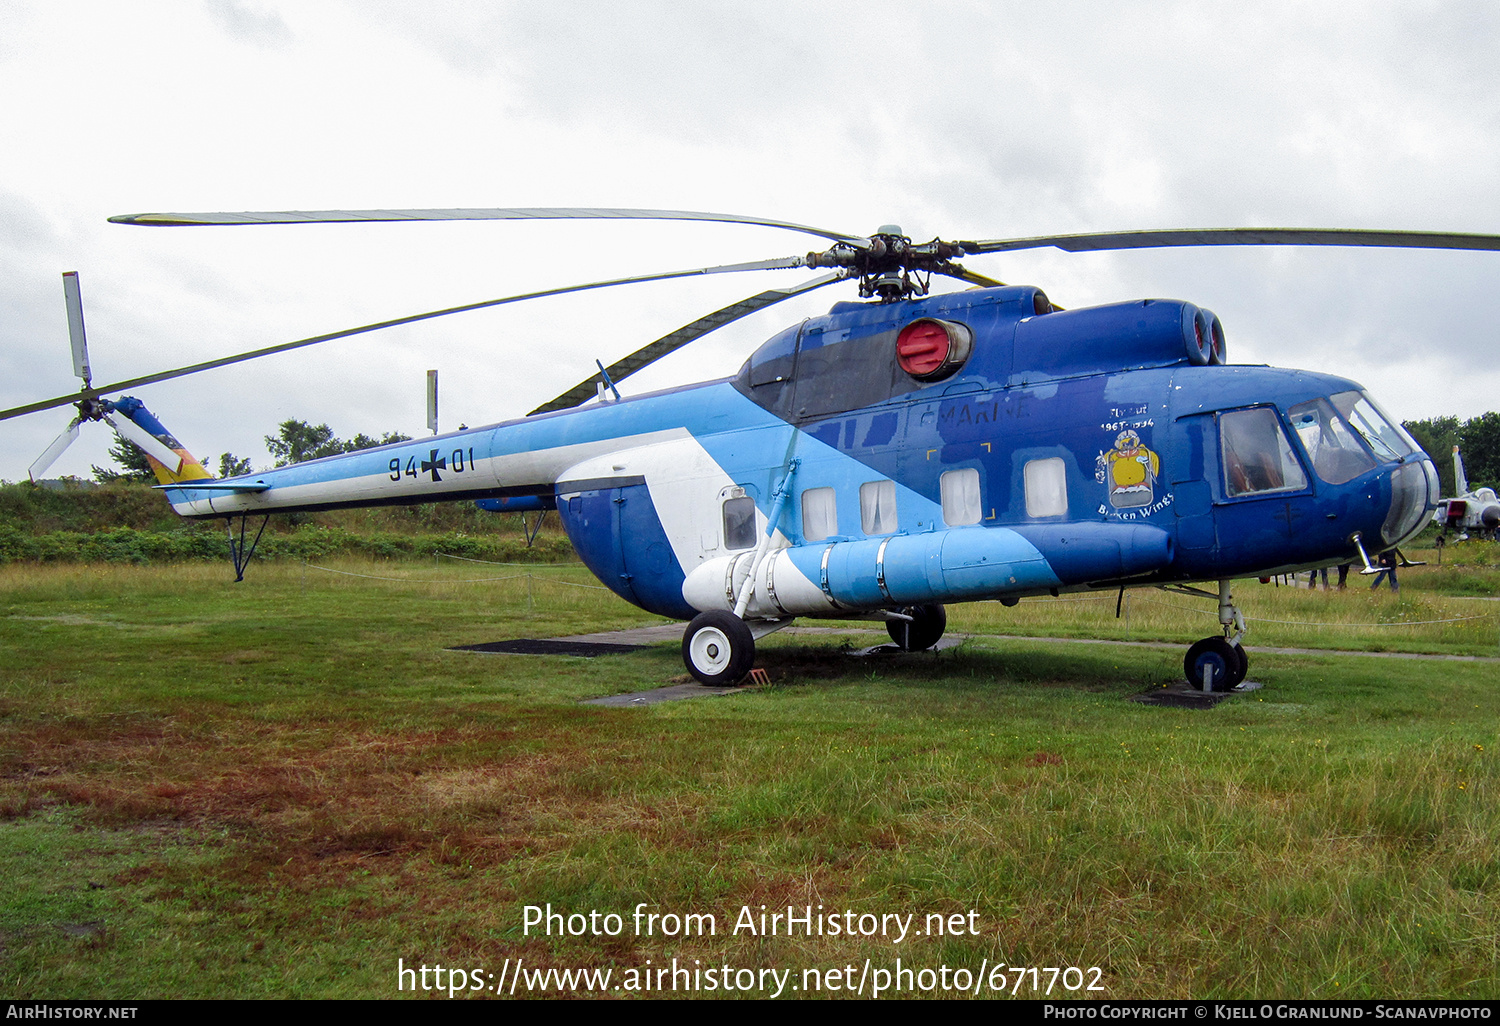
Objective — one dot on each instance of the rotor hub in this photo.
(94, 408)
(889, 265)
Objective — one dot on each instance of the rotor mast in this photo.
(889, 266)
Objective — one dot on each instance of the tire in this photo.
(922, 631)
(718, 648)
(1220, 659)
(1238, 677)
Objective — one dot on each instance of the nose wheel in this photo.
(1218, 663)
(718, 648)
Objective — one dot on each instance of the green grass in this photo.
(280, 787)
(1436, 611)
(129, 523)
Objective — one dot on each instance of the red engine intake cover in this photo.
(930, 349)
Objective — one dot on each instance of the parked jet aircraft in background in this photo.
(1477, 510)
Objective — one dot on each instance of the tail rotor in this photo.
(118, 415)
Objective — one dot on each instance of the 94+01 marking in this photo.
(456, 462)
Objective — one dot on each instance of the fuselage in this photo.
(1058, 451)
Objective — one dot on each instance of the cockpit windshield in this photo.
(1336, 454)
(1388, 440)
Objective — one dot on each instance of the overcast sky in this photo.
(959, 119)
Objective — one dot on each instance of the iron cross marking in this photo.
(433, 464)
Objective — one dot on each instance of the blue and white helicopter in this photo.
(893, 455)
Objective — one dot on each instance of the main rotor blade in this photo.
(964, 274)
(73, 300)
(52, 452)
(465, 214)
(1240, 237)
(148, 379)
(649, 354)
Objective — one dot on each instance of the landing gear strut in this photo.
(1219, 663)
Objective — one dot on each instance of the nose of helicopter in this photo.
(1414, 495)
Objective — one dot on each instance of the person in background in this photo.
(1387, 563)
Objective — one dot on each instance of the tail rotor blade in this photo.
(52, 452)
(148, 442)
(74, 300)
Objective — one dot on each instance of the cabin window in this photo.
(1046, 488)
(1257, 456)
(961, 502)
(820, 517)
(739, 523)
(1335, 453)
(877, 507)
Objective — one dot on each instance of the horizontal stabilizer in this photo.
(218, 486)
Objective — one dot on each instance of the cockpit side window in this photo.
(1336, 454)
(1388, 441)
(1257, 456)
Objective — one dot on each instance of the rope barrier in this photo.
(462, 580)
(491, 562)
(575, 584)
(1317, 623)
(416, 580)
(1393, 623)
(1079, 598)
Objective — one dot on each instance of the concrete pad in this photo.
(547, 646)
(1183, 695)
(638, 636)
(1252, 649)
(889, 649)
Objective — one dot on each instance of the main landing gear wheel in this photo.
(718, 648)
(922, 631)
(1223, 664)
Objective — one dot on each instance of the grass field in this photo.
(281, 788)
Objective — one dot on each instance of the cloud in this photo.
(249, 23)
(963, 119)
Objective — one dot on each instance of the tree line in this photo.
(1477, 438)
(295, 441)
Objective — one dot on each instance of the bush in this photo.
(125, 523)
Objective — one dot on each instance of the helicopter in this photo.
(1475, 509)
(903, 451)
